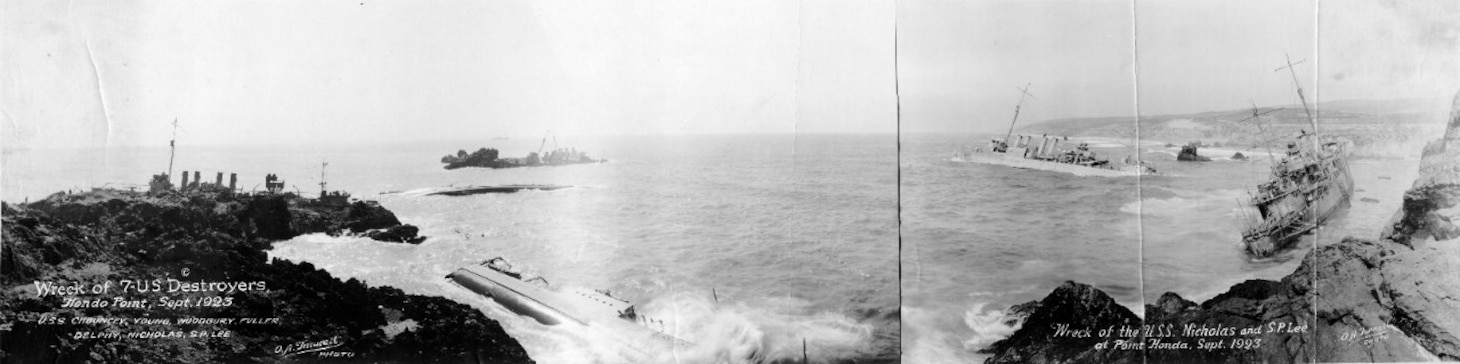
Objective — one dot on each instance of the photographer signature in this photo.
(1366, 336)
(316, 346)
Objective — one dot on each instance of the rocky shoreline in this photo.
(102, 236)
(1394, 298)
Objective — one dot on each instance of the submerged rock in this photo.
(398, 234)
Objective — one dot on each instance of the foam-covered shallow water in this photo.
(978, 239)
(795, 233)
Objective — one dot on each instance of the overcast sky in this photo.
(962, 60)
(248, 72)
(116, 73)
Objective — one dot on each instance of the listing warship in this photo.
(1306, 187)
(1047, 154)
(534, 297)
(488, 157)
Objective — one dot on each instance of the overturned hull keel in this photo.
(552, 306)
(492, 284)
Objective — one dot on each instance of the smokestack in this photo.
(185, 180)
(232, 181)
(219, 181)
(197, 177)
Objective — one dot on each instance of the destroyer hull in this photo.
(551, 308)
(1333, 198)
(1025, 163)
(520, 298)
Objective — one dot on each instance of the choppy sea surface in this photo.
(979, 238)
(796, 234)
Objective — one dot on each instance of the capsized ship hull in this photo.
(551, 306)
(512, 293)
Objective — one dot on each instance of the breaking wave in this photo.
(988, 326)
(761, 332)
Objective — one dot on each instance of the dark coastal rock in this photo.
(1188, 153)
(398, 234)
(1017, 314)
(1078, 308)
(106, 235)
(1239, 157)
(1429, 207)
(1171, 304)
(368, 216)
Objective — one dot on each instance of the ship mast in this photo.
(1299, 86)
(321, 178)
(544, 142)
(172, 148)
(1022, 92)
(1261, 132)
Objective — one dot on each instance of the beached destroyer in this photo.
(1047, 154)
(1306, 187)
(535, 298)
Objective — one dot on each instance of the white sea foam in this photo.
(925, 343)
(988, 326)
(758, 332)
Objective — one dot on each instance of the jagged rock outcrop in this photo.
(1188, 153)
(1081, 310)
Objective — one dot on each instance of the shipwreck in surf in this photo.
(1306, 187)
(534, 297)
(1188, 153)
(488, 157)
(1047, 154)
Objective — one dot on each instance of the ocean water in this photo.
(796, 234)
(980, 238)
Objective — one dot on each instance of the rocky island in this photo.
(1387, 299)
(187, 279)
(488, 158)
